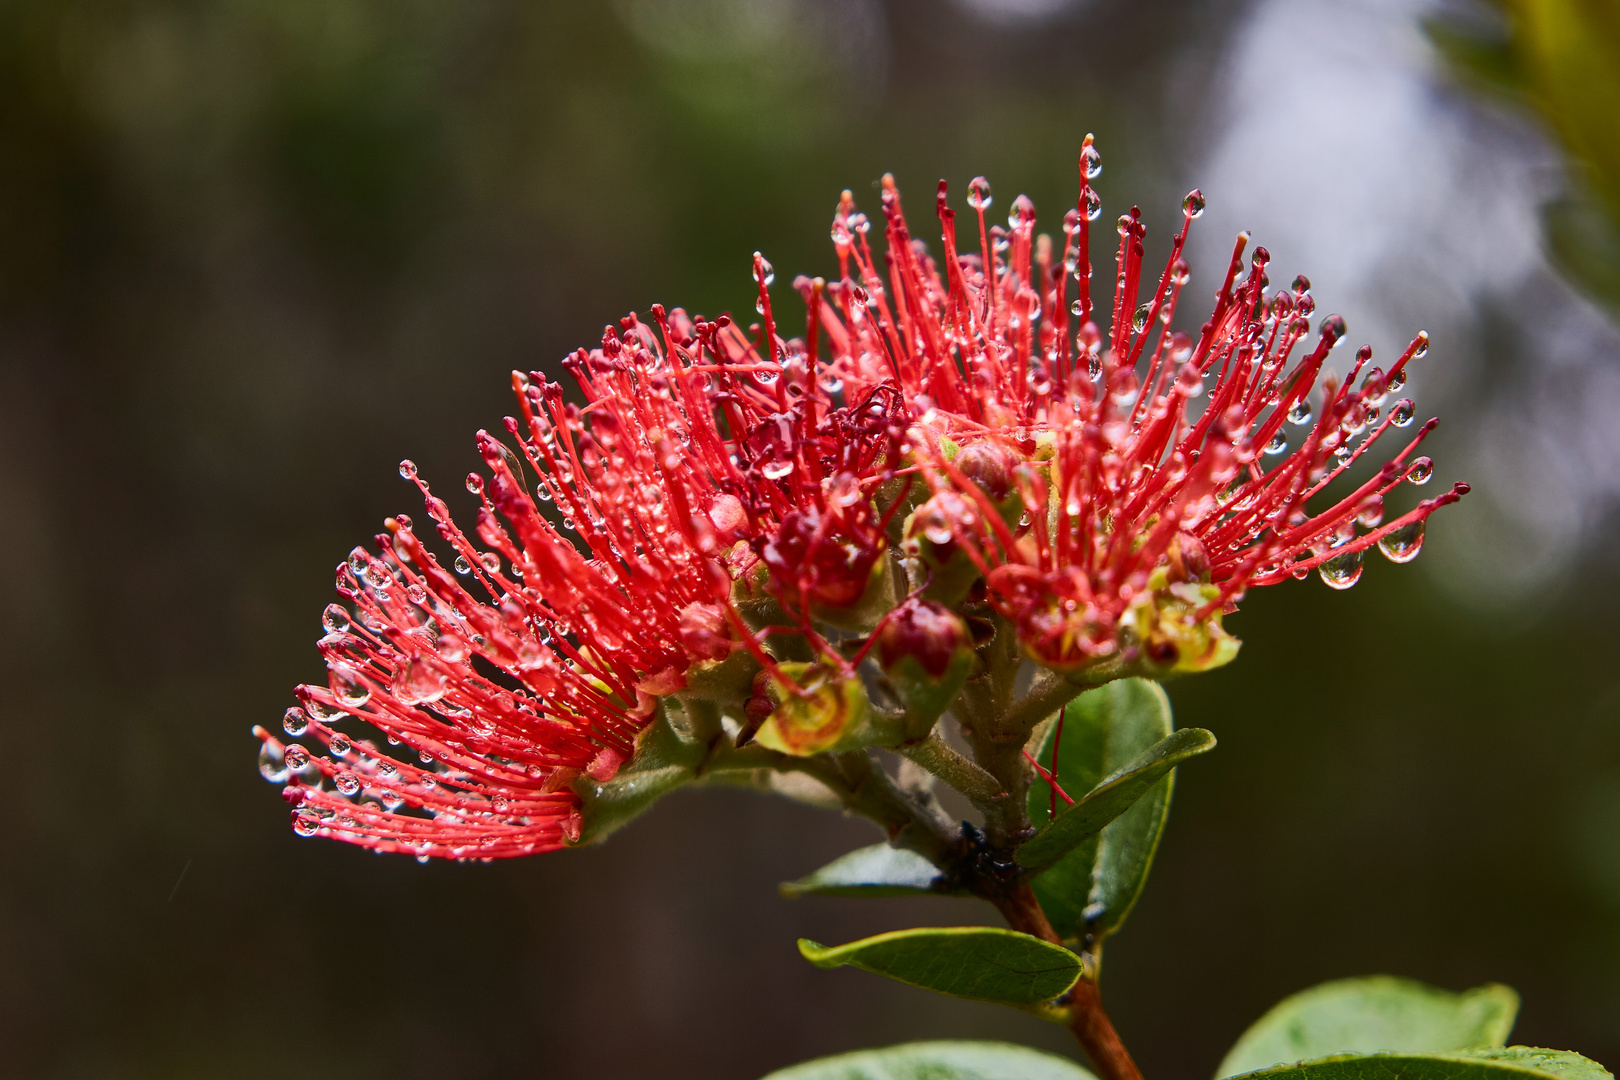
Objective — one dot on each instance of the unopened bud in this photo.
(927, 651)
(702, 630)
(990, 466)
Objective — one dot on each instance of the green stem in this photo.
(938, 757)
(865, 789)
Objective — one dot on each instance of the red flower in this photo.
(1141, 464)
(1115, 497)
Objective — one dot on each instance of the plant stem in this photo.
(865, 789)
(937, 756)
(1088, 1021)
(1096, 1033)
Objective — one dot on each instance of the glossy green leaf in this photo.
(942, 1060)
(1076, 824)
(879, 870)
(1490, 1063)
(1380, 1013)
(984, 963)
(667, 756)
(1103, 730)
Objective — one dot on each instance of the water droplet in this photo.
(1190, 381)
(1422, 345)
(846, 490)
(347, 783)
(1093, 204)
(1300, 412)
(762, 264)
(1139, 318)
(463, 567)
(407, 469)
(1334, 327)
(1091, 160)
(1193, 204)
(297, 758)
(979, 193)
(475, 483)
(491, 561)
(1341, 571)
(272, 765)
(350, 689)
(1401, 415)
(1370, 514)
(1094, 367)
(305, 823)
(335, 619)
(776, 468)
(295, 722)
(1278, 443)
(1421, 471)
(1180, 274)
(339, 745)
(1075, 309)
(1402, 545)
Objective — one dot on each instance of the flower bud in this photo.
(990, 466)
(932, 533)
(927, 652)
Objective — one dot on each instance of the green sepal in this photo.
(722, 682)
(1377, 1013)
(982, 963)
(875, 601)
(925, 696)
(1075, 824)
(1489, 1063)
(879, 870)
(938, 1060)
(1089, 892)
(667, 756)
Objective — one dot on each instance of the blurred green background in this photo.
(252, 253)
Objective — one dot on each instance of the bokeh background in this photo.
(253, 252)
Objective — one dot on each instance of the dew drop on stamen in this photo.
(305, 824)
(349, 687)
(335, 619)
(347, 783)
(475, 483)
(1341, 571)
(297, 758)
(1299, 413)
(1139, 318)
(766, 268)
(272, 765)
(295, 721)
(1402, 545)
(407, 469)
(1370, 514)
(491, 561)
(1190, 381)
(1193, 204)
(979, 193)
(1422, 345)
(776, 468)
(1093, 203)
(1091, 159)
(1421, 471)
(340, 745)
(1278, 443)
(463, 567)
(1401, 415)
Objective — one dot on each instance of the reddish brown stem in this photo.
(1096, 1033)
(1089, 1022)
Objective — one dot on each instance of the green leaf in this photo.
(879, 870)
(1490, 1063)
(1103, 730)
(668, 754)
(942, 1060)
(1371, 1014)
(1076, 824)
(983, 963)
